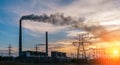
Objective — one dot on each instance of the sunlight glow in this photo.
(115, 52)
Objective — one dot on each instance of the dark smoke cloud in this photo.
(61, 20)
(56, 19)
(35, 17)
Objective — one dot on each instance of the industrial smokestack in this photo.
(47, 43)
(20, 37)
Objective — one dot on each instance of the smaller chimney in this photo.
(47, 43)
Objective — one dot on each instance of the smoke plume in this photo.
(56, 19)
(61, 20)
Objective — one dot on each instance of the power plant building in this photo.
(33, 54)
(56, 54)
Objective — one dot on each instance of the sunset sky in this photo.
(102, 13)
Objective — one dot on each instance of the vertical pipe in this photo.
(47, 43)
(20, 37)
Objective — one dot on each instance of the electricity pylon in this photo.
(82, 38)
(9, 50)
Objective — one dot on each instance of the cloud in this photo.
(74, 33)
(39, 27)
(96, 9)
(113, 35)
(74, 8)
(63, 46)
(88, 7)
(33, 7)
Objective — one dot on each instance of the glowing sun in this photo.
(114, 53)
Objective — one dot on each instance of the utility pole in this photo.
(9, 50)
(36, 49)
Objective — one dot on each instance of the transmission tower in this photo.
(82, 39)
(9, 50)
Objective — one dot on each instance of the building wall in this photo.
(56, 54)
(33, 54)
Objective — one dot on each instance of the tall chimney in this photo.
(47, 43)
(20, 37)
